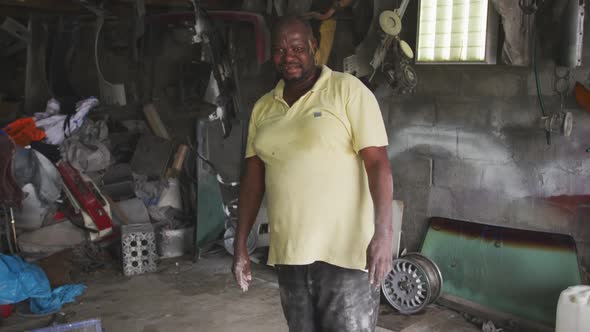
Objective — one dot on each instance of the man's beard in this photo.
(304, 75)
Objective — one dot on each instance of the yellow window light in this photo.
(456, 31)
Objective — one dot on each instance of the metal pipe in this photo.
(13, 229)
(570, 50)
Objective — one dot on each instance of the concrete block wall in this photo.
(469, 145)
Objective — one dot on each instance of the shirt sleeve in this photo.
(251, 133)
(365, 117)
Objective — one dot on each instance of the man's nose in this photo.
(289, 55)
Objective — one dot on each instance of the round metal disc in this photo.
(413, 283)
(390, 22)
(406, 49)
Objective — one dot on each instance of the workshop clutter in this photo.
(73, 179)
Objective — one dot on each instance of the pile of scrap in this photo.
(75, 184)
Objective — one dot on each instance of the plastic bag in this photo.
(20, 280)
(59, 297)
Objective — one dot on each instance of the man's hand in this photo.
(379, 257)
(313, 15)
(241, 269)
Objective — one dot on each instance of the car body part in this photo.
(498, 273)
(110, 93)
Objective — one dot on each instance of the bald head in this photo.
(292, 23)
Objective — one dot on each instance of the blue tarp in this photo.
(20, 280)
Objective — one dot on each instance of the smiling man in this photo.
(316, 147)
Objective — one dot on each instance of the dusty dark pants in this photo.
(323, 298)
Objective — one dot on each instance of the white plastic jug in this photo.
(573, 310)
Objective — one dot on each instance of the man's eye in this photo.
(277, 51)
(298, 49)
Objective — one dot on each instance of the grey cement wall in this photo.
(468, 145)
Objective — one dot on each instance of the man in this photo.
(316, 147)
(324, 11)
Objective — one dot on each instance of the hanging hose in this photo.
(531, 9)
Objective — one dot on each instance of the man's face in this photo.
(292, 52)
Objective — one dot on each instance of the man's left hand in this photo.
(379, 257)
(313, 15)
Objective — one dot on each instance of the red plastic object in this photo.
(5, 310)
(84, 195)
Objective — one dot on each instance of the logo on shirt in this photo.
(317, 114)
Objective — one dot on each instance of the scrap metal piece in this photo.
(414, 283)
(175, 242)
(390, 22)
(117, 182)
(110, 94)
(16, 29)
(87, 199)
(151, 156)
(138, 242)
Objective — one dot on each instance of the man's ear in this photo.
(313, 45)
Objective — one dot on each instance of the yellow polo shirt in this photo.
(318, 198)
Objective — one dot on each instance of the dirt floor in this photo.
(183, 296)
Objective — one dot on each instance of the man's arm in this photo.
(251, 193)
(379, 252)
(330, 12)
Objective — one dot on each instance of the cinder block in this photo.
(438, 80)
(457, 173)
(482, 205)
(415, 197)
(138, 243)
(538, 214)
(441, 142)
(442, 203)
(398, 142)
(462, 113)
(495, 83)
(528, 146)
(508, 178)
(404, 111)
(518, 113)
(545, 79)
(412, 170)
(556, 180)
(482, 146)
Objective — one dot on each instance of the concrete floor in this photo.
(202, 297)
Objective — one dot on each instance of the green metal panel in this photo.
(518, 272)
(211, 218)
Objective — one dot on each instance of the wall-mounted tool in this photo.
(399, 73)
(560, 123)
(397, 68)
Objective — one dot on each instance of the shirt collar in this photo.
(320, 84)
